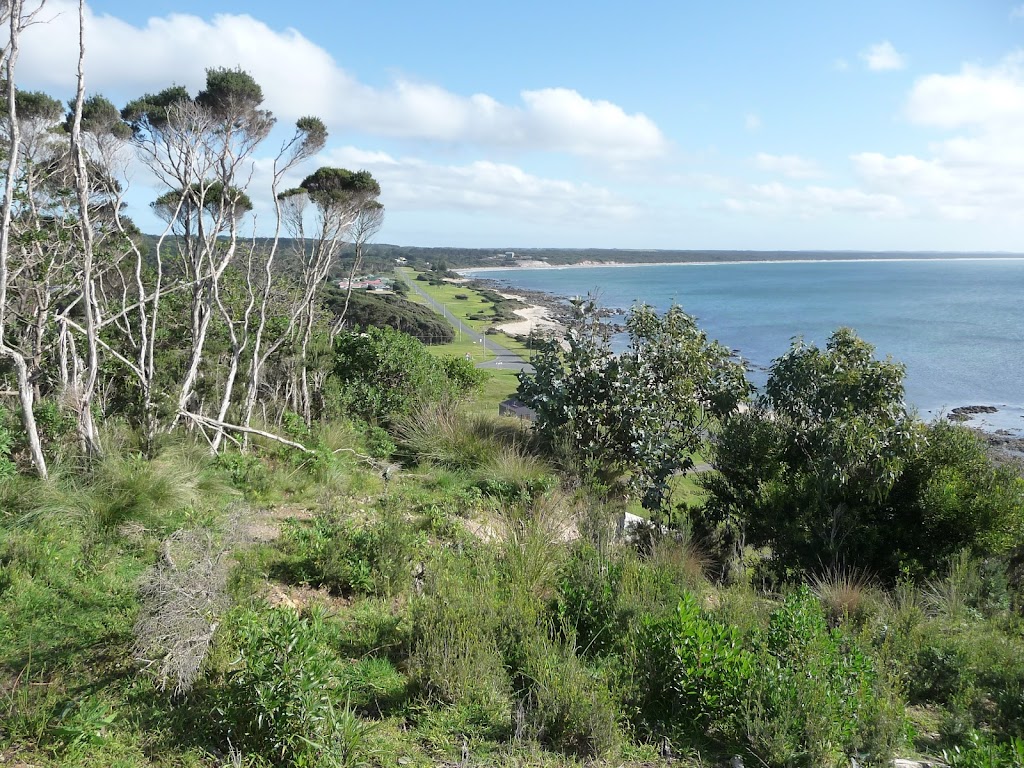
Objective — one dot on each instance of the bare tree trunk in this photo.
(26, 396)
(88, 433)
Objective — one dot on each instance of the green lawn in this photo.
(461, 308)
(460, 347)
(500, 386)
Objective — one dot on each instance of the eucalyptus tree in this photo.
(338, 198)
(202, 148)
(16, 17)
(638, 416)
(309, 138)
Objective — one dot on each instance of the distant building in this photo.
(513, 407)
(369, 283)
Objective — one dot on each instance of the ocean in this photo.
(956, 323)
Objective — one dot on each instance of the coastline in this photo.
(471, 271)
(1005, 428)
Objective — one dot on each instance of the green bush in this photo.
(984, 752)
(373, 557)
(589, 605)
(283, 703)
(455, 654)
(690, 673)
(816, 697)
(383, 374)
(941, 673)
(562, 704)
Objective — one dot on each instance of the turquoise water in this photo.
(957, 324)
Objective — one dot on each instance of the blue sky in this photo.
(732, 125)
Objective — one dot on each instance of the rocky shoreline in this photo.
(1005, 445)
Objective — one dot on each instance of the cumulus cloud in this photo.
(976, 95)
(415, 184)
(882, 57)
(792, 166)
(971, 174)
(976, 173)
(299, 78)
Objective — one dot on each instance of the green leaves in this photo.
(638, 416)
(807, 469)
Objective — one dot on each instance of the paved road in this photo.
(504, 359)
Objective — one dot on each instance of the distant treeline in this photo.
(380, 257)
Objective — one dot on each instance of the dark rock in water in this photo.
(965, 412)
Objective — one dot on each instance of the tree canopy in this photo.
(639, 415)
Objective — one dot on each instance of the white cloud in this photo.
(299, 78)
(882, 56)
(792, 166)
(841, 65)
(1017, 13)
(813, 201)
(414, 184)
(976, 95)
(972, 175)
(752, 122)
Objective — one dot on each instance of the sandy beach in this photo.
(535, 318)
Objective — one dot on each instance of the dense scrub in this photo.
(445, 612)
(366, 310)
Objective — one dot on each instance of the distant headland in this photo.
(533, 258)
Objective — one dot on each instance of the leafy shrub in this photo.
(562, 704)
(816, 696)
(455, 654)
(942, 672)
(282, 703)
(985, 752)
(372, 557)
(952, 497)
(589, 605)
(384, 374)
(463, 373)
(378, 442)
(246, 472)
(690, 672)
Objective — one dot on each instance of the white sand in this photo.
(535, 318)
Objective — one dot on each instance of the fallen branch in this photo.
(207, 421)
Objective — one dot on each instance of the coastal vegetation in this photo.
(237, 530)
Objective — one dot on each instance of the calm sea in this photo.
(957, 324)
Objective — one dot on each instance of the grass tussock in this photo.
(846, 595)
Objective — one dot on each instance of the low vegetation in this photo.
(436, 585)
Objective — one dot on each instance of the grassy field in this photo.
(460, 347)
(462, 302)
